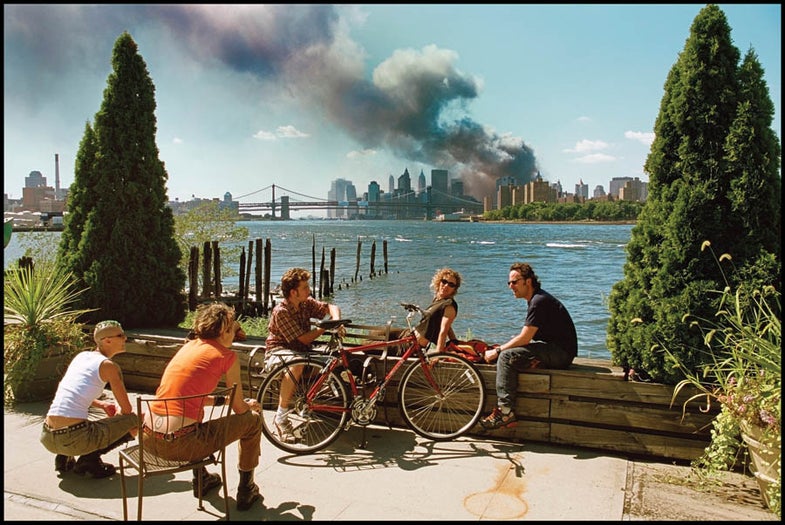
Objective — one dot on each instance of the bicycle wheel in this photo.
(451, 407)
(315, 419)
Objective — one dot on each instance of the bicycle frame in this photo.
(342, 359)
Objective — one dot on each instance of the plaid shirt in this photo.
(287, 324)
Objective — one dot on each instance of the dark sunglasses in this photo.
(513, 282)
(450, 284)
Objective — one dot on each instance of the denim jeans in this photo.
(537, 354)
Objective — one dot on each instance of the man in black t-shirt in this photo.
(547, 340)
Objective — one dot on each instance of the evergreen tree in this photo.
(713, 175)
(119, 236)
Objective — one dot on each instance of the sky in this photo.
(296, 96)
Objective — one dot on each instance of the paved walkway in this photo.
(399, 476)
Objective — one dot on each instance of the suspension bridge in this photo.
(398, 205)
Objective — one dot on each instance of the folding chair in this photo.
(142, 457)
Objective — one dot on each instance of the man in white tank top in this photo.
(67, 432)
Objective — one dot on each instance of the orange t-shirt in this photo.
(195, 369)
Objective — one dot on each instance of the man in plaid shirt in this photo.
(290, 334)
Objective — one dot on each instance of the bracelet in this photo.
(219, 400)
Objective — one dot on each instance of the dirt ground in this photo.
(663, 492)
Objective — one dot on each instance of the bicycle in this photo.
(440, 395)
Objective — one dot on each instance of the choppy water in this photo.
(578, 263)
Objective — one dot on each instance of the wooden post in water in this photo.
(193, 278)
(313, 260)
(266, 297)
(373, 259)
(217, 270)
(321, 275)
(258, 276)
(332, 270)
(207, 280)
(357, 265)
(384, 250)
(247, 287)
(241, 290)
(326, 282)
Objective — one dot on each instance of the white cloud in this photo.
(290, 132)
(264, 135)
(645, 138)
(359, 154)
(284, 132)
(585, 146)
(177, 140)
(595, 158)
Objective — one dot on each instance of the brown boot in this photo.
(209, 481)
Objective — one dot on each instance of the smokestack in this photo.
(57, 177)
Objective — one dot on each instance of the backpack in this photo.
(473, 349)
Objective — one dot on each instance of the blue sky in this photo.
(297, 96)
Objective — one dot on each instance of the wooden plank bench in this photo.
(589, 405)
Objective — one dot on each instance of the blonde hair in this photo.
(211, 320)
(445, 273)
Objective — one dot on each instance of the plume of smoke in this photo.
(414, 104)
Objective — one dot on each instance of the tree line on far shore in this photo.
(603, 211)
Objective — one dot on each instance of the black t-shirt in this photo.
(553, 321)
(432, 319)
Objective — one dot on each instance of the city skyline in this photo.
(362, 92)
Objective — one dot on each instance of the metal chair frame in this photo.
(141, 459)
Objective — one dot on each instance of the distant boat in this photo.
(8, 229)
(458, 216)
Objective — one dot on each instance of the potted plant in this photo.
(744, 376)
(41, 333)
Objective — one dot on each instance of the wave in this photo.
(565, 245)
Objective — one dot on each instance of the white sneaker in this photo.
(285, 430)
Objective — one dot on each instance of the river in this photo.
(578, 263)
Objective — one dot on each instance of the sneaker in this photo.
(95, 467)
(64, 463)
(497, 420)
(285, 430)
(209, 482)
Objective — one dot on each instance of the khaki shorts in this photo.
(284, 355)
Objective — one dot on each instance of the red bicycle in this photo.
(440, 395)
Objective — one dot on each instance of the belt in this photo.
(66, 430)
(170, 436)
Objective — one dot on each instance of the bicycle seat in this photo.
(329, 324)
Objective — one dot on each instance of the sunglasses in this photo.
(123, 336)
(450, 284)
(509, 283)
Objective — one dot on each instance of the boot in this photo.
(209, 481)
(64, 463)
(247, 491)
(91, 464)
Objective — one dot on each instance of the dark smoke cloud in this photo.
(413, 105)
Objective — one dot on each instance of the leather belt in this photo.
(171, 436)
(66, 430)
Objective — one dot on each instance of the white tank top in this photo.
(80, 385)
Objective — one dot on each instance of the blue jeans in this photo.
(537, 354)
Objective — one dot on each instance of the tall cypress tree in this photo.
(119, 234)
(713, 175)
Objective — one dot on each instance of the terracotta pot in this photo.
(765, 453)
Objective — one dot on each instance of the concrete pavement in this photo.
(399, 476)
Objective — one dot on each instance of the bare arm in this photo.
(445, 331)
(111, 372)
(309, 337)
(239, 406)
